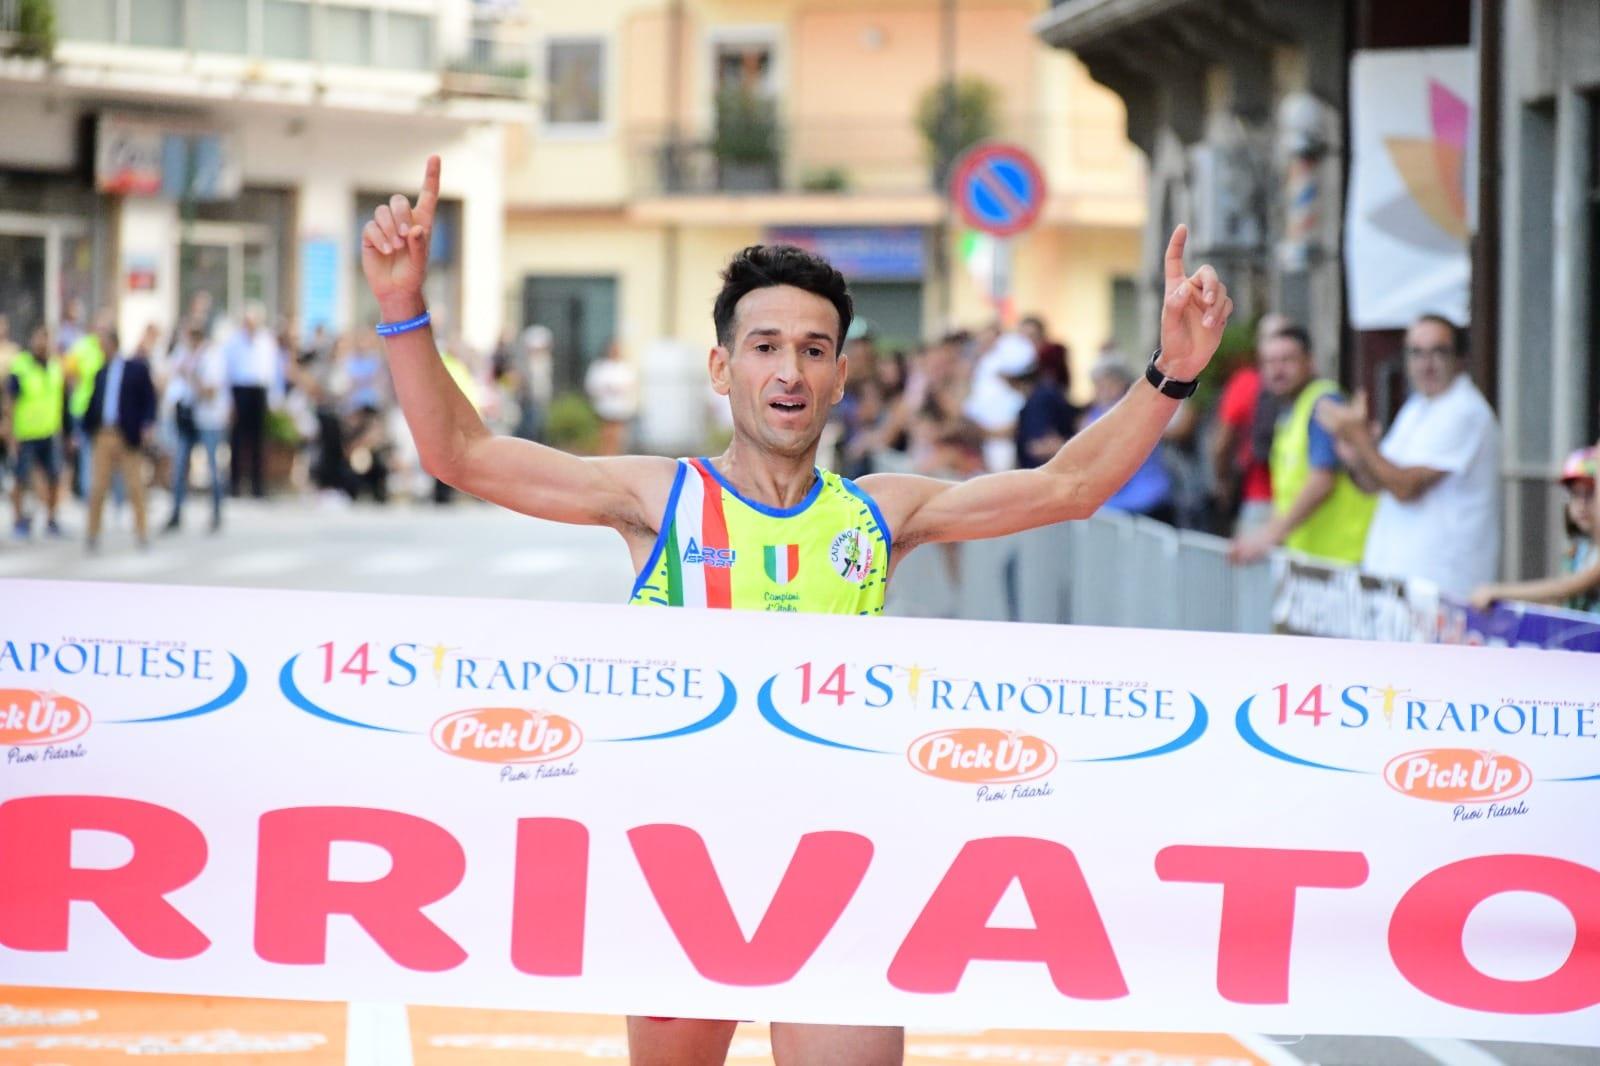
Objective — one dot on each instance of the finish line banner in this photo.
(602, 809)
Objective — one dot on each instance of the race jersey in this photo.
(828, 554)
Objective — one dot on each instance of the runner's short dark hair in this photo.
(762, 265)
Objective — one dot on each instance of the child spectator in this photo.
(1578, 585)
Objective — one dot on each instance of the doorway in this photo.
(581, 313)
(234, 263)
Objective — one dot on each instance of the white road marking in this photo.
(128, 562)
(527, 561)
(22, 561)
(397, 562)
(377, 1034)
(1454, 1052)
(1267, 1049)
(258, 563)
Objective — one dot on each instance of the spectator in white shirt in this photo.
(1437, 470)
(253, 369)
(201, 404)
(613, 388)
(994, 403)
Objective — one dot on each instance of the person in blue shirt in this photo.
(1149, 491)
(1047, 419)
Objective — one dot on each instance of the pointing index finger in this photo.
(1174, 267)
(430, 192)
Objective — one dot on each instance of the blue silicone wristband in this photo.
(389, 329)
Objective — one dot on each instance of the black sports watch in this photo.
(1178, 390)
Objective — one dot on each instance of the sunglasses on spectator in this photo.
(1429, 353)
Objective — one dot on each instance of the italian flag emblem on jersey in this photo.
(782, 562)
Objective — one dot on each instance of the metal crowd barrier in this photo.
(1109, 570)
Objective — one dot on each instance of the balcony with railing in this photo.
(864, 157)
(496, 58)
(872, 171)
(384, 54)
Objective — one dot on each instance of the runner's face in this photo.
(782, 373)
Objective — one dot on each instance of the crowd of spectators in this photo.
(1272, 456)
(1276, 457)
(86, 411)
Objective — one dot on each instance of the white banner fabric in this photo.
(802, 818)
(1409, 210)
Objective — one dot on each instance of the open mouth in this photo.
(787, 406)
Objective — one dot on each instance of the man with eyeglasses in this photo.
(1436, 472)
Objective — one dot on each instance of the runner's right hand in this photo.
(394, 247)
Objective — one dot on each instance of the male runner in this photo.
(760, 526)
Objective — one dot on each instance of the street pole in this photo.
(946, 150)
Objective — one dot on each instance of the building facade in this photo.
(1246, 113)
(166, 148)
(1546, 173)
(673, 132)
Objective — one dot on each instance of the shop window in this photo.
(156, 23)
(286, 29)
(346, 36)
(893, 309)
(575, 82)
(22, 283)
(743, 66)
(220, 26)
(88, 20)
(409, 41)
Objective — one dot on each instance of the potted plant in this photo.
(746, 141)
(35, 35)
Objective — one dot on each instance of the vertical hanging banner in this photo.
(1409, 212)
(803, 818)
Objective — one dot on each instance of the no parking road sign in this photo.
(998, 188)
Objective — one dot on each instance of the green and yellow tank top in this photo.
(828, 554)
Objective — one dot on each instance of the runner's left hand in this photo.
(1193, 314)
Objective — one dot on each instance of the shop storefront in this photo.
(885, 266)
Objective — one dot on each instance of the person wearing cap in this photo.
(1578, 585)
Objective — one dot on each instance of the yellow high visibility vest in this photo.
(1337, 529)
(37, 415)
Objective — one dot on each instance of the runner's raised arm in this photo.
(452, 441)
(1090, 467)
